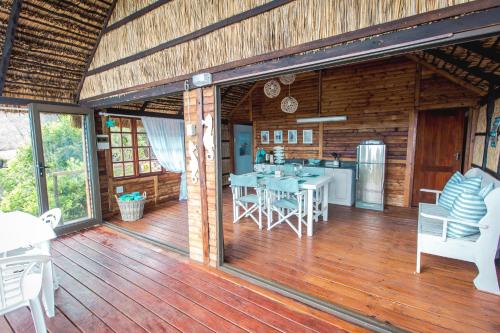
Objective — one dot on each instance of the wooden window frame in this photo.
(135, 152)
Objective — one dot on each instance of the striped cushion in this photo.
(486, 190)
(470, 207)
(455, 186)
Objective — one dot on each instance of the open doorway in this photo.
(336, 109)
(146, 156)
(440, 150)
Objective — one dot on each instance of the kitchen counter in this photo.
(322, 164)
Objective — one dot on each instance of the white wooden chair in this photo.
(251, 203)
(20, 282)
(284, 197)
(480, 248)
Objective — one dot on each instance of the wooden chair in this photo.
(20, 282)
(241, 188)
(480, 248)
(285, 198)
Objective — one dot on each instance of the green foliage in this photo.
(63, 151)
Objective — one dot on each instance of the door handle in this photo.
(41, 169)
(458, 156)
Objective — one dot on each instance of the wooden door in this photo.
(439, 150)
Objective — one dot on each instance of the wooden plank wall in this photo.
(378, 98)
(198, 240)
(159, 188)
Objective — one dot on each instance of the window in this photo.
(131, 152)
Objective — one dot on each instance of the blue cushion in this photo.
(486, 190)
(456, 185)
(470, 207)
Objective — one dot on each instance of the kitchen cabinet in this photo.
(341, 190)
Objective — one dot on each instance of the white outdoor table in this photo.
(311, 185)
(18, 230)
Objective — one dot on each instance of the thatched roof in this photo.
(47, 46)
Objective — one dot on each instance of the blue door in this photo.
(243, 149)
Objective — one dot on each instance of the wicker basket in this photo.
(131, 210)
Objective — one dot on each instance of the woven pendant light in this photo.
(272, 89)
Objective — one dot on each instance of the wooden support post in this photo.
(321, 125)
(10, 34)
(411, 140)
(490, 108)
(202, 176)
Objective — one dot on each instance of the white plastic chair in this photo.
(50, 282)
(285, 198)
(20, 282)
(249, 202)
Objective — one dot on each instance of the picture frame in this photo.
(264, 137)
(278, 136)
(292, 137)
(307, 136)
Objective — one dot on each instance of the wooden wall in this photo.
(379, 98)
(202, 193)
(159, 188)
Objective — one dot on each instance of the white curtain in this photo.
(167, 140)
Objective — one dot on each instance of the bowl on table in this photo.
(312, 161)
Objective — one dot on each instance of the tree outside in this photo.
(63, 151)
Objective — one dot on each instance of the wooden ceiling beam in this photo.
(141, 12)
(10, 34)
(445, 74)
(249, 92)
(491, 53)
(463, 65)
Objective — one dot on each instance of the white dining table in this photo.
(311, 185)
(18, 230)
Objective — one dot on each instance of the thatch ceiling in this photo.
(171, 104)
(476, 63)
(52, 43)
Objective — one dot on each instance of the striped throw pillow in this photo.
(470, 207)
(486, 190)
(456, 185)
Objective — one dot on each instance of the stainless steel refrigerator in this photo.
(370, 175)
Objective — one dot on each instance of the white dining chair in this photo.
(286, 199)
(248, 196)
(20, 282)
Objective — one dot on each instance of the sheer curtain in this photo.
(167, 140)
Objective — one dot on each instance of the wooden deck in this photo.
(165, 224)
(110, 282)
(365, 261)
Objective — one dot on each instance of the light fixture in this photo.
(202, 79)
(321, 119)
(272, 89)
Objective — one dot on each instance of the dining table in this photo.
(310, 184)
(22, 230)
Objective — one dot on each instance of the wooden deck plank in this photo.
(111, 282)
(163, 261)
(157, 315)
(203, 292)
(366, 261)
(4, 325)
(82, 317)
(166, 223)
(185, 304)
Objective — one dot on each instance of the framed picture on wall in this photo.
(307, 137)
(278, 136)
(264, 137)
(292, 137)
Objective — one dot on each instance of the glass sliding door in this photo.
(66, 163)
(17, 175)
